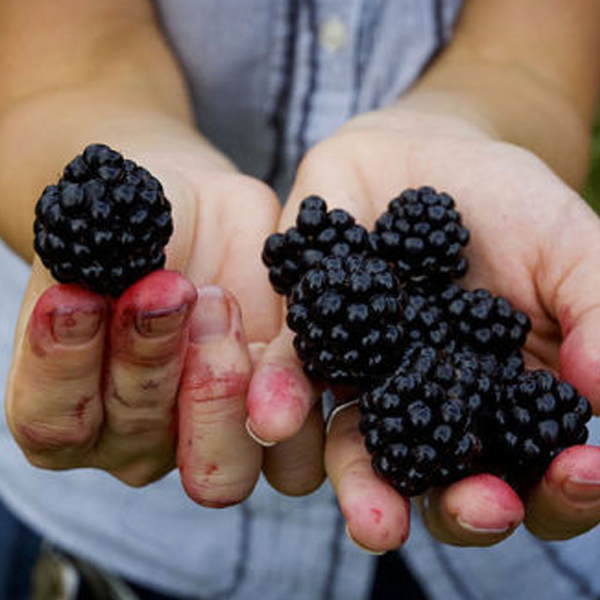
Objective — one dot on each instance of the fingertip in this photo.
(377, 517)
(279, 400)
(65, 314)
(576, 471)
(478, 510)
(566, 501)
(155, 291)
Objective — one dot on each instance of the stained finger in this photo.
(218, 461)
(280, 396)
(148, 342)
(377, 517)
(54, 406)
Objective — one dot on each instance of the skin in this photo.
(156, 379)
(478, 142)
(459, 130)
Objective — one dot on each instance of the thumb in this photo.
(280, 396)
(573, 284)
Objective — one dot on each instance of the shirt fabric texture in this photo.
(269, 79)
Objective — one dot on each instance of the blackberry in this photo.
(318, 232)
(421, 233)
(538, 417)
(488, 323)
(419, 426)
(105, 224)
(345, 313)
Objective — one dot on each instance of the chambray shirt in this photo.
(270, 78)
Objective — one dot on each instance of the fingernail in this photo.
(213, 318)
(336, 411)
(481, 530)
(75, 327)
(256, 351)
(162, 321)
(363, 548)
(580, 490)
(256, 438)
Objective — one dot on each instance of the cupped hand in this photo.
(534, 241)
(156, 378)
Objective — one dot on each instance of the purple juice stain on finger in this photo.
(377, 515)
(80, 408)
(207, 383)
(149, 384)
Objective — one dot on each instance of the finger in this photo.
(54, 407)
(218, 461)
(377, 516)
(569, 282)
(480, 510)
(280, 396)
(566, 502)
(295, 467)
(147, 345)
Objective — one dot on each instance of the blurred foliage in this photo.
(591, 191)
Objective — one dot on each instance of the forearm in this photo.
(532, 86)
(117, 84)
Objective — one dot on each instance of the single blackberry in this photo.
(487, 323)
(319, 232)
(422, 234)
(419, 426)
(346, 314)
(105, 224)
(538, 417)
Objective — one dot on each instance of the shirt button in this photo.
(333, 34)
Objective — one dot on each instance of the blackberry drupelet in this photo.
(419, 426)
(105, 224)
(318, 232)
(345, 314)
(538, 417)
(423, 317)
(421, 233)
(487, 323)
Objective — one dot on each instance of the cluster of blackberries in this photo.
(105, 224)
(438, 368)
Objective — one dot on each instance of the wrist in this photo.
(508, 103)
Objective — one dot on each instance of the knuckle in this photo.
(224, 387)
(131, 423)
(37, 436)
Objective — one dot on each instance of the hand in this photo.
(534, 241)
(159, 376)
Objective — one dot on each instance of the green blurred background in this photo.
(592, 188)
